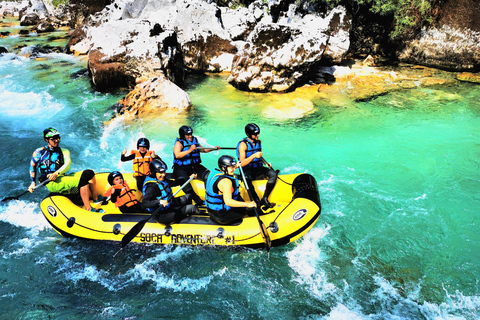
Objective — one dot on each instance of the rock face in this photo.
(277, 56)
(452, 43)
(264, 52)
(107, 73)
(131, 43)
(447, 48)
(80, 10)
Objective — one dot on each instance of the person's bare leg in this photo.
(85, 195)
(93, 189)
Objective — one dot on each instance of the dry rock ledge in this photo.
(269, 46)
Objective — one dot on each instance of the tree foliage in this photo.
(56, 3)
(407, 15)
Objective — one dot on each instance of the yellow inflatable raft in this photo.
(297, 209)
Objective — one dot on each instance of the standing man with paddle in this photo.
(187, 161)
(53, 162)
(249, 152)
(157, 194)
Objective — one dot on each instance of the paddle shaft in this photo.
(139, 226)
(213, 148)
(263, 230)
(16, 198)
(266, 163)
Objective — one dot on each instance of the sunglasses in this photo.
(54, 138)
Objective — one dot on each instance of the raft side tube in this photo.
(305, 186)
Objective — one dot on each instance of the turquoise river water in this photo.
(399, 178)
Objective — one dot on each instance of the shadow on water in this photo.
(194, 79)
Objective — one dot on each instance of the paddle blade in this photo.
(264, 232)
(266, 237)
(134, 231)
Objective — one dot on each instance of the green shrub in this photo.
(407, 15)
(56, 3)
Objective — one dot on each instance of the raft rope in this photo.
(303, 187)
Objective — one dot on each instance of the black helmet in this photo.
(184, 130)
(252, 129)
(157, 165)
(226, 161)
(143, 142)
(50, 133)
(112, 176)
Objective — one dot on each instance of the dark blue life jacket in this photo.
(165, 191)
(213, 200)
(251, 149)
(191, 158)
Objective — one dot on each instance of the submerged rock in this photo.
(469, 77)
(362, 83)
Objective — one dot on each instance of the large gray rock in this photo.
(40, 8)
(277, 55)
(30, 19)
(124, 41)
(446, 48)
(153, 96)
(45, 26)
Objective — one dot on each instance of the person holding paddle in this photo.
(222, 194)
(249, 152)
(157, 194)
(53, 162)
(187, 161)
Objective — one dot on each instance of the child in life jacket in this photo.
(141, 159)
(121, 194)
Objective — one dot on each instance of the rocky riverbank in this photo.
(273, 46)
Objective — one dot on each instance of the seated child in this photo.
(121, 194)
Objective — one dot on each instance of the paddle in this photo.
(270, 166)
(267, 164)
(139, 226)
(16, 198)
(266, 237)
(213, 148)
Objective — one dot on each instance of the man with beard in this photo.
(249, 152)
